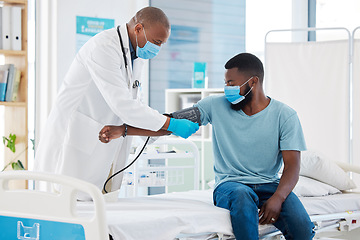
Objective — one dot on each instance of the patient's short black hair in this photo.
(247, 63)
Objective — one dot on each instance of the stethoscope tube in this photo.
(122, 46)
(104, 187)
(136, 83)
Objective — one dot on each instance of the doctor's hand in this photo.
(108, 133)
(182, 127)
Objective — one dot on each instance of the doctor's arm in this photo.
(180, 127)
(110, 132)
(272, 207)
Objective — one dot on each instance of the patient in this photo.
(253, 135)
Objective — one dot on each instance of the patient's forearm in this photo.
(287, 183)
(290, 174)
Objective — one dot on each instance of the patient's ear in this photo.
(254, 81)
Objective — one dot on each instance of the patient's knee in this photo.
(235, 194)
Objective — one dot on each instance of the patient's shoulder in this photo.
(217, 97)
(213, 99)
(282, 108)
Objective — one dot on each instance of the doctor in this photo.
(100, 89)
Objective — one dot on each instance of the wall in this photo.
(201, 31)
(67, 10)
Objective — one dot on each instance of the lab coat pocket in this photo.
(83, 133)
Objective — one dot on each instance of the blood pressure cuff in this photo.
(191, 113)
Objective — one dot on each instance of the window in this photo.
(333, 13)
(263, 16)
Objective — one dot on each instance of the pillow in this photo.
(315, 166)
(307, 187)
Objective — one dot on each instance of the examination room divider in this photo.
(356, 99)
(313, 77)
(321, 81)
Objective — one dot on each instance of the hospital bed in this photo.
(30, 214)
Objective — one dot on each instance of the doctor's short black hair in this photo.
(247, 63)
(150, 15)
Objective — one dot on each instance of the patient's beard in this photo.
(243, 103)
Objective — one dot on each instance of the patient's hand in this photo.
(270, 211)
(108, 133)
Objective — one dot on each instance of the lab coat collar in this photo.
(132, 52)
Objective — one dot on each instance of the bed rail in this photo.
(49, 215)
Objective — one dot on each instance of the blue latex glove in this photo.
(182, 127)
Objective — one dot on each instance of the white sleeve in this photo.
(105, 66)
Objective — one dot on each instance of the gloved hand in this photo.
(182, 127)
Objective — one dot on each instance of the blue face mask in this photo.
(232, 93)
(149, 50)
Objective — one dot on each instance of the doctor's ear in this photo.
(138, 28)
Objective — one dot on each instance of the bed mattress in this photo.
(165, 216)
(332, 203)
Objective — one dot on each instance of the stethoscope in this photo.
(136, 83)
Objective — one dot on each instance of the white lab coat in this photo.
(97, 91)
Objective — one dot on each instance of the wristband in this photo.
(125, 131)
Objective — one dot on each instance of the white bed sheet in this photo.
(164, 216)
(332, 203)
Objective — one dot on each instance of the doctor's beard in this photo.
(243, 103)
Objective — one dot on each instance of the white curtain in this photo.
(313, 79)
(356, 106)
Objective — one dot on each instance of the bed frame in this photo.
(31, 214)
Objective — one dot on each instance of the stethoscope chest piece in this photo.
(136, 84)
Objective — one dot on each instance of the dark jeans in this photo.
(243, 202)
